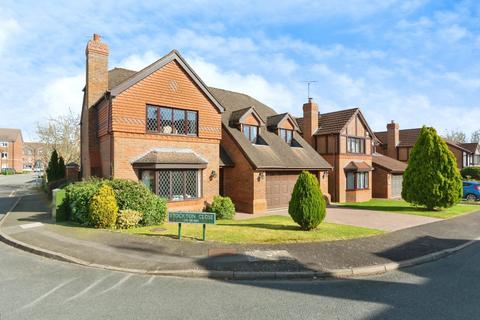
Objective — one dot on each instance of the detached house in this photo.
(11, 149)
(397, 144)
(187, 142)
(345, 140)
(160, 125)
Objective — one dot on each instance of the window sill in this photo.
(357, 189)
(183, 200)
(172, 134)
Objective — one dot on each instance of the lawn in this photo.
(269, 229)
(401, 206)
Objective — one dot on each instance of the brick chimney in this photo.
(310, 121)
(97, 69)
(393, 139)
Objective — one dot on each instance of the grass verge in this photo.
(270, 229)
(401, 206)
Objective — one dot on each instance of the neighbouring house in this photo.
(397, 144)
(11, 149)
(474, 148)
(345, 140)
(387, 177)
(160, 125)
(33, 155)
(263, 153)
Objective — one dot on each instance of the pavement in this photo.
(29, 227)
(360, 218)
(33, 287)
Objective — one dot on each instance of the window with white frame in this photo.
(357, 180)
(355, 145)
(286, 135)
(4, 155)
(3, 144)
(250, 132)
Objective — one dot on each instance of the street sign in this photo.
(192, 218)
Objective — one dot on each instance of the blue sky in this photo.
(413, 61)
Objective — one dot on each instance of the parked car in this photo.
(471, 190)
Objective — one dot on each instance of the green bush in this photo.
(78, 196)
(56, 167)
(307, 206)
(103, 208)
(432, 178)
(471, 172)
(135, 196)
(8, 171)
(223, 207)
(128, 219)
(155, 211)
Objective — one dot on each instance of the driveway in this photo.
(361, 218)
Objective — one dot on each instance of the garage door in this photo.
(279, 189)
(397, 180)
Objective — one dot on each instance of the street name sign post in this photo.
(203, 218)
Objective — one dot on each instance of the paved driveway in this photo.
(361, 218)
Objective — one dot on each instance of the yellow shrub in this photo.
(103, 208)
(128, 219)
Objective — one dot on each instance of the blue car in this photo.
(471, 190)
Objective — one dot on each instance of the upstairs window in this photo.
(286, 135)
(250, 132)
(4, 155)
(355, 145)
(3, 144)
(172, 121)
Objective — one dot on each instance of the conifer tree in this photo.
(307, 206)
(432, 178)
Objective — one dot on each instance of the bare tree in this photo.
(475, 136)
(62, 134)
(456, 135)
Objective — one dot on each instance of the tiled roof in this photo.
(472, 147)
(225, 160)
(170, 156)
(408, 137)
(273, 152)
(118, 75)
(390, 164)
(9, 135)
(332, 122)
(360, 166)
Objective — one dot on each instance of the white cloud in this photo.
(60, 96)
(8, 28)
(138, 62)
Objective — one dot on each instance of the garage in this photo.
(397, 180)
(279, 188)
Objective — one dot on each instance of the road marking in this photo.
(149, 282)
(31, 225)
(81, 293)
(118, 284)
(31, 304)
(12, 194)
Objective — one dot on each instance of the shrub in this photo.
(155, 212)
(78, 196)
(56, 167)
(432, 178)
(135, 196)
(128, 219)
(8, 171)
(307, 206)
(103, 208)
(223, 207)
(472, 172)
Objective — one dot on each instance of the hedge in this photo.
(471, 173)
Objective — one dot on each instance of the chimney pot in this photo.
(97, 37)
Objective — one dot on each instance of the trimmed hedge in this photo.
(223, 207)
(471, 172)
(307, 207)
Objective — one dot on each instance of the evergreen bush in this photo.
(432, 178)
(103, 208)
(52, 168)
(307, 206)
(223, 207)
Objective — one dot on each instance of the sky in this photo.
(412, 61)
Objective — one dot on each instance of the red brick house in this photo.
(160, 125)
(387, 177)
(163, 126)
(345, 140)
(33, 155)
(397, 144)
(266, 153)
(11, 149)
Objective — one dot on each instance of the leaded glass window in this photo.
(152, 118)
(178, 185)
(171, 121)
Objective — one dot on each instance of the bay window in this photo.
(173, 185)
(357, 180)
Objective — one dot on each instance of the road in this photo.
(32, 287)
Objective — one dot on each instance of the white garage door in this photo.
(397, 180)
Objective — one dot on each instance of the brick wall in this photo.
(381, 184)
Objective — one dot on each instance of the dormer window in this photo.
(250, 132)
(286, 135)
